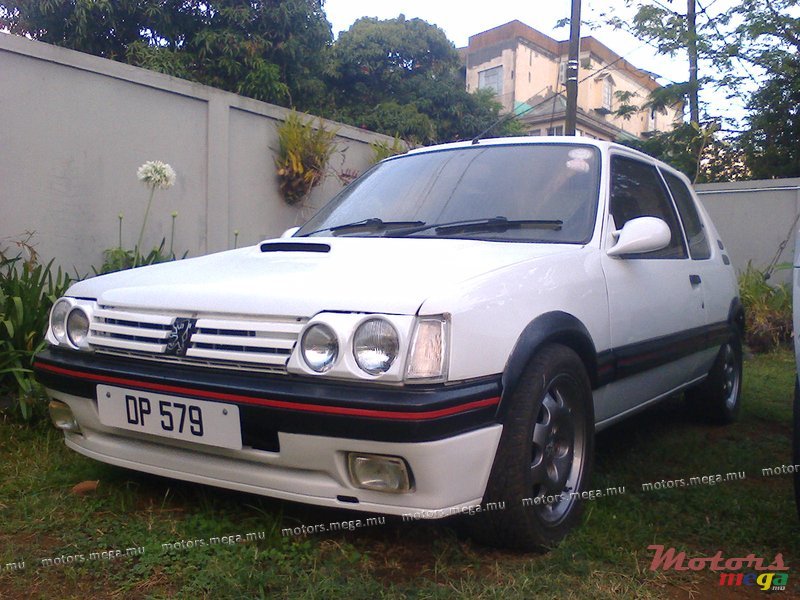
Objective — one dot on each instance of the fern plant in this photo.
(303, 155)
(27, 291)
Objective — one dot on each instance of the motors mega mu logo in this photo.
(755, 572)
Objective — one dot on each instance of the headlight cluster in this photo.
(359, 346)
(69, 323)
(375, 346)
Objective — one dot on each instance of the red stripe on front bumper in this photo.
(330, 410)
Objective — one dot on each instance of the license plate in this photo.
(211, 423)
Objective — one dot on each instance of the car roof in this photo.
(532, 140)
(602, 145)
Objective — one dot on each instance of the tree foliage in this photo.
(753, 43)
(397, 76)
(272, 50)
(697, 152)
(769, 39)
(404, 77)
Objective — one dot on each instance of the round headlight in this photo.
(58, 319)
(319, 347)
(375, 346)
(77, 326)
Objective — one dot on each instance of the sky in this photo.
(460, 22)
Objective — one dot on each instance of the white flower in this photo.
(156, 174)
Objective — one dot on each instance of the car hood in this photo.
(304, 276)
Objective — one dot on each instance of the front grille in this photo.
(262, 343)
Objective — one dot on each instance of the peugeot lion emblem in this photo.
(178, 339)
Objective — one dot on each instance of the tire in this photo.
(546, 449)
(719, 398)
(796, 443)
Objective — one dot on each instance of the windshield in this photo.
(523, 192)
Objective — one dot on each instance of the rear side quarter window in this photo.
(692, 223)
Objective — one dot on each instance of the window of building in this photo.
(637, 190)
(562, 73)
(557, 130)
(608, 93)
(491, 79)
(535, 132)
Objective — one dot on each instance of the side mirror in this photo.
(640, 235)
(290, 232)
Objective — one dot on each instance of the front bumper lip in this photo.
(449, 473)
(289, 403)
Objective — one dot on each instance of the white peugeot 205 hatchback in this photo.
(450, 330)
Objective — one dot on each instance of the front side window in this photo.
(638, 191)
(525, 192)
(692, 224)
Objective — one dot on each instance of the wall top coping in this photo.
(756, 185)
(110, 68)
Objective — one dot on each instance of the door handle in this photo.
(695, 280)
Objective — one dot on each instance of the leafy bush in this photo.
(381, 149)
(303, 156)
(120, 259)
(27, 291)
(767, 309)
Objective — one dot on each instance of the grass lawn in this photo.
(607, 557)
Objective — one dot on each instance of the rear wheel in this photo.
(543, 461)
(719, 397)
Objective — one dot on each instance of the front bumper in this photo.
(296, 433)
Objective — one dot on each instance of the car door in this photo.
(716, 281)
(656, 304)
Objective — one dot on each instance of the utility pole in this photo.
(691, 32)
(572, 68)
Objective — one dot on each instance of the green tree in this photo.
(274, 50)
(754, 44)
(768, 38)
(771, 141)
(403, 77)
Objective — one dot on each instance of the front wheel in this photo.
(543, 461)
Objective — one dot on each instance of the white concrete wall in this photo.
(74, 128)
(754, 218)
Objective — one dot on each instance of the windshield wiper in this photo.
(481, 225)
(373, 224)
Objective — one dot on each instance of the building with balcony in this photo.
(526, 69)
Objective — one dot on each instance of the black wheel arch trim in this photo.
(612, 364)
(736, 316)
(553, 327)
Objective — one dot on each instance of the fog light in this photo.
(62, 417)
(379, 473)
